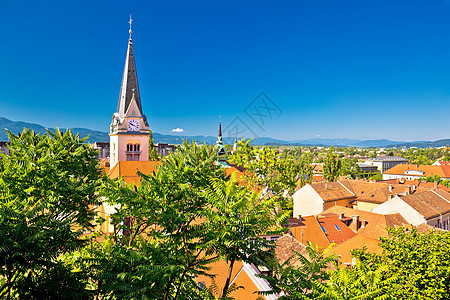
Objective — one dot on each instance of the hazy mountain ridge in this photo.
(98, 136)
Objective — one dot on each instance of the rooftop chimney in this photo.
(341, 216)
(390, 188)
(355, 223)
(363, 223)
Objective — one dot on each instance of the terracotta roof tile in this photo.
(377, 224)
(129, 170)
(442, 171)
(357, 242)
(332, 191)
(310, 232)
(335, 230)
(429, 204)
(287, 246)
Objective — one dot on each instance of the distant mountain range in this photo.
(98, 136)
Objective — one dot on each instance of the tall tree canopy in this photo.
(48, 188)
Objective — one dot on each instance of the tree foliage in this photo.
(152, 153)
(48, 187)
(332, 166)
(172, 226)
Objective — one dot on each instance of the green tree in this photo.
(303, 279)
(331, 166)
(349, 167)
(267, 169)
(414, 265)
(239, 218)
(357, 282)
(152, 153)
(173, 225)
(48, 189)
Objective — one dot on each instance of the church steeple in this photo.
(219, 144)
(130, 84)
(129, 130)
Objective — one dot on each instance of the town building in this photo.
(164, 149)
(384, 163)
(431, 207)
(367, 168)
(314, 198)
(103, 149)
(321, 231)
(414, 172)
(3, 148)
(367, 226)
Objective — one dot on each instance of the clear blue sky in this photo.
(353, 69)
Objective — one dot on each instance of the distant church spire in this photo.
(220, 127)
(129, 82)
(219, 143)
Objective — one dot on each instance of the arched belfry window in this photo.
(133, 152)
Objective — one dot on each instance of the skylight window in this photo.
(323, 229)
(337, 227)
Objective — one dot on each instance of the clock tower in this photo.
(129, 130)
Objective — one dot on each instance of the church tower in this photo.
(222, 152)
(129, 130)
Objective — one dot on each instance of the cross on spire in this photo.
(131, 21)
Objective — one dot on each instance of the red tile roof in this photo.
(377, 224)
(336, 231)
(442, 171)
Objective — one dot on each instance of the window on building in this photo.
(337, 227)
(438, 225)
(129, 157)
(136, 157)
(133, 148)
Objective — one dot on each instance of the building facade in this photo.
(164, 149)
(384, 163)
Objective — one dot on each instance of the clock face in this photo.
(133, 125)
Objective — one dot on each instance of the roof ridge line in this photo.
(234, 278)
(440, 196)
(346, 187)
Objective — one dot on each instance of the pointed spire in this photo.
(220, 126)
(219, 142)
(130, 84)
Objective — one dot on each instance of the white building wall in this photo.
(397, 205)
(307, 202)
